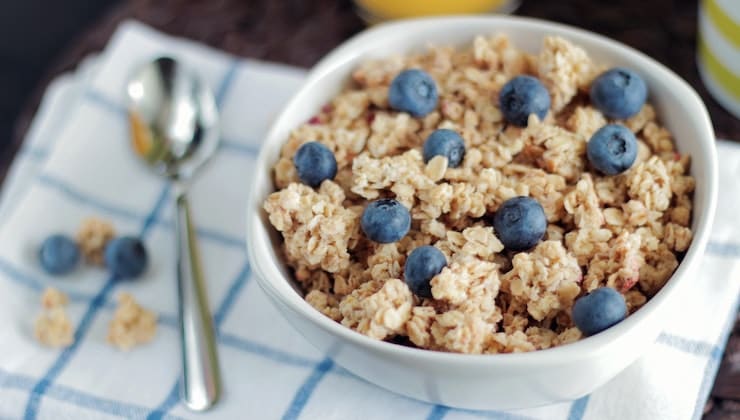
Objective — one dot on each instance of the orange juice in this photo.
(396, 9)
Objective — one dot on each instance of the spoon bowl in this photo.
(173, 117)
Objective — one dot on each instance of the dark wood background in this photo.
(299, 32)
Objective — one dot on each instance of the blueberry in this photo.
(385, 221)
(618, 93)
(612, 149)
(422, 265)
(126, 257)
(447, 143)
(314, 163)
(520, 223)
(59, 254)
(522, 96)
(413, 91)
(599, 310)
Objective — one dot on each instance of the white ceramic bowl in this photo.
(500, 381)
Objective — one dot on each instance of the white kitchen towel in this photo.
(76, 163)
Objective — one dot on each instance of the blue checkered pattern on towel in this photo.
(76, 163)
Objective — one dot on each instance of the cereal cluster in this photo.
(132, 324)
(53, 327)
(625, 231)
(92, 237)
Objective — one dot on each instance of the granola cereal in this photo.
(93, 235)
(52, 298)
(377, 309)
(132, 325)
(53, 327)
(626, 231)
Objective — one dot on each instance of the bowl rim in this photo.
(551, 356)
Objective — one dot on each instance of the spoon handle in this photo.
(200, 384)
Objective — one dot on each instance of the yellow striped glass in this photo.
(718, 51)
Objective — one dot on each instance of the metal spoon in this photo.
(174, 129)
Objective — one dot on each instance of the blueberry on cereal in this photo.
(422, 265)
(520, 223)
(522, 96)
(59, 254)
(413, 91)
(314, 163)
(385, 221)
(599, 310)
(619, 93)
(126, 257)
(447, 143)
(612, 149)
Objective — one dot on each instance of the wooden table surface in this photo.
(299, 32)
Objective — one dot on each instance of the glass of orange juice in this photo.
(379, 10)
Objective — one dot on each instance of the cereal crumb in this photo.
(436, 168)
(515, 342)
(545, 280)
(585, 120)
(132, 324)
(479, 241)
(570, 335)
(53, 327)
(461, 332)
(634, 299)
(677, 237)
(583, 203)
(377, 309)
(93, 235)
(325, 303)
(457, 282)
(469, 286)
(563, 151)
(316, 228)
(419, 326)
(563, 68)
(637, 122)
(53, 298)
(617, 266)
(650, 183)
(656, 271)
